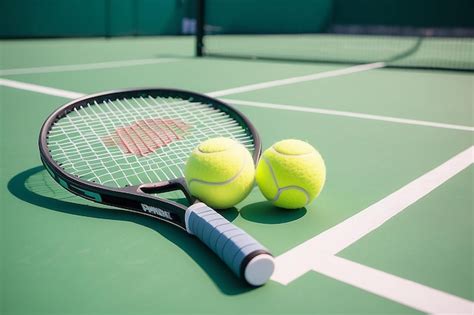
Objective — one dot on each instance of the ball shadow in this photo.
(265, 212)
(45, 193)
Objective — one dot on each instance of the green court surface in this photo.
(397, 205)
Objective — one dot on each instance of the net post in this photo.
(200, 28)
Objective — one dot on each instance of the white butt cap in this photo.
(259, 269)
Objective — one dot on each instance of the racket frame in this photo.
(138, 197)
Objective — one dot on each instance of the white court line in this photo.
(349, 114)
(72, 95)
(86, 66)
(397, 289)
(39, 89)
(305, 78)
(300, 259)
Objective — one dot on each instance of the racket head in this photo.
(119, 147)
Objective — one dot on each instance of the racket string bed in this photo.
(198, 119)
(95, 162)
(76, 155)
(121, 122)
(113, 159)
(193, 114)
(159, 131)
(92, 125)
(188, 143)
(110, 158)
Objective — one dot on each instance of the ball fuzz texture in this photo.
(291, 174)
(220, 172)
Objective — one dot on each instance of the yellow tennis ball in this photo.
(220, 172)
(291, 174)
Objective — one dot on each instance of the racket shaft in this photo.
(233, 245)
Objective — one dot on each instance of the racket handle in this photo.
(246, 257)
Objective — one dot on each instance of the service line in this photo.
(305, 78)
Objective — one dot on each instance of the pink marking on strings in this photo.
(124, 144)
(150, 141)
(140, 140)
(147, 135)
(160, 130)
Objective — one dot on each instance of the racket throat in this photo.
(167, 186)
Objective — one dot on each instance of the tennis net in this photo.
(323, 31)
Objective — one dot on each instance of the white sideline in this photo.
(349, 114)
(300, 259)
(397, 289)
(85, 66)
(311, 77)
(39, 89)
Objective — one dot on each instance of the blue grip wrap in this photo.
(234, 246)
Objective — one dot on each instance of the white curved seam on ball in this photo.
(303, 154)
(271, 172)
(280, 190)
(219, 183)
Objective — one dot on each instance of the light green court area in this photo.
(53, 52)
(61, 254)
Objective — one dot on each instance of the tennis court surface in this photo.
(392, 231)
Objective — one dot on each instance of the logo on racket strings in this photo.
(145, 136)
(159, 212)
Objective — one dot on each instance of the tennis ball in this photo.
(220, 172)
(291, 174)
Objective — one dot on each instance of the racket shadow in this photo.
(35, 186)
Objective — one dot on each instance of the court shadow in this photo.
(265, 212)
(36, 187)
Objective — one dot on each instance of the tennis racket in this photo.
(124, 147)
